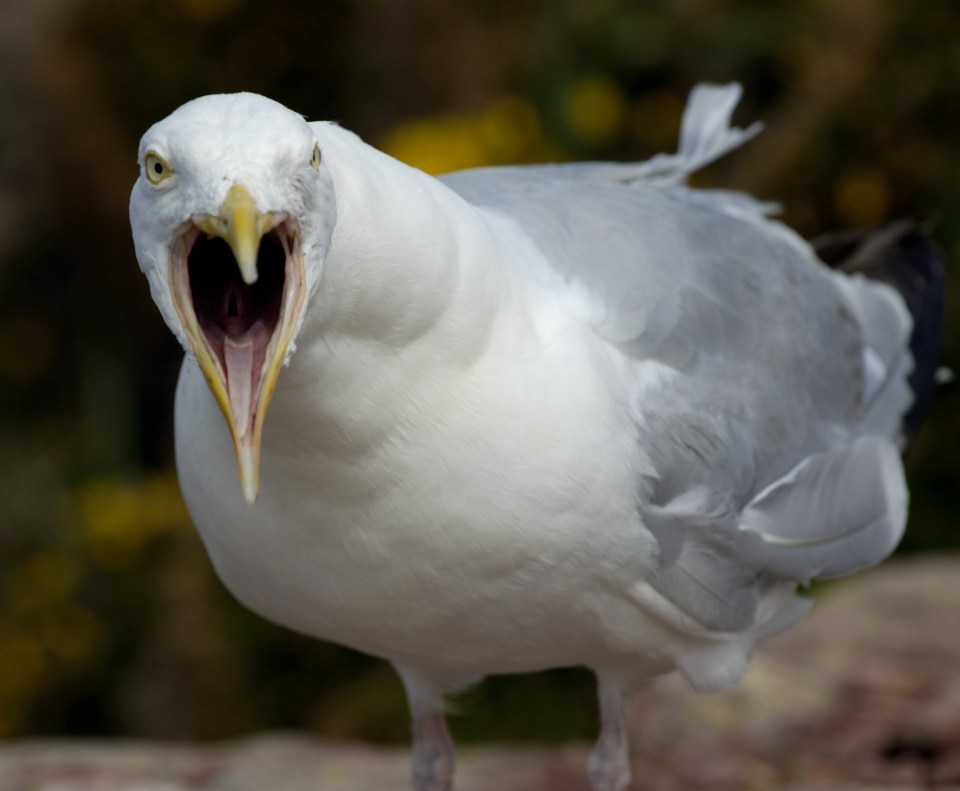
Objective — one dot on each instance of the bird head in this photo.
(232, 217)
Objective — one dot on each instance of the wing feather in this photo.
(778, 366)
(708, 568)
(837, 512)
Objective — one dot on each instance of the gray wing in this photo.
(775, 366)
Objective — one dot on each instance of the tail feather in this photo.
(901, 255)
(706, 134)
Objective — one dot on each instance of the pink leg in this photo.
(433, 751)
(608, 766)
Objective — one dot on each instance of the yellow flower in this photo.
(862, 198)
(596, 109)
(505, 131)
(119, 517)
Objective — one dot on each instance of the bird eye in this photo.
(156, 167)
(315, 159)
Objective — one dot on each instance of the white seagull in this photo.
(523, 417)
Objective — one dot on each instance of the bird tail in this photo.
(706, 134)
(901, 256)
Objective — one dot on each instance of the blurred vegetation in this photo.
(111, 621)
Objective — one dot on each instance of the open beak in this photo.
(238, 284)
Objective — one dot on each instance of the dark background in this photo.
(111, 621)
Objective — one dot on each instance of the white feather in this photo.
(837, 512)
(508, 382)
(537, 416)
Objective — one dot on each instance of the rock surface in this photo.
(864, 694)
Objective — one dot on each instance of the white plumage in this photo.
(531, 416)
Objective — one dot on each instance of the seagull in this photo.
(525, 417)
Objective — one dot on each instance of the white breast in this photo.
(426, 524)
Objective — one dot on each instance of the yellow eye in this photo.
(315, 160)
(156, 167)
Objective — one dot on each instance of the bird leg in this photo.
(433, 751)
(608, 766)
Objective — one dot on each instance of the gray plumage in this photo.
(531, 416)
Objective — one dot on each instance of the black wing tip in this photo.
(901, 255)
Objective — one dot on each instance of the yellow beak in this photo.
(242, 226)
(242, 371)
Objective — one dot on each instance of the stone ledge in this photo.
(864, 694)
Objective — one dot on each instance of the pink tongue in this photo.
(238, 360)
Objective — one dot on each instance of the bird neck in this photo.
(409, 297)
(408, 257)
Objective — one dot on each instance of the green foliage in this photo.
(110, 618)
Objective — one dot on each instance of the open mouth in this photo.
(238, 321)
(239, 332)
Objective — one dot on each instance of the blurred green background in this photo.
(111, 621)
